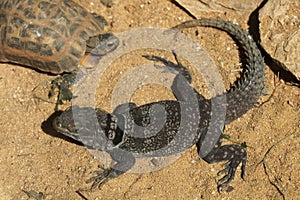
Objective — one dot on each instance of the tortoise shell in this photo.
(46, 35)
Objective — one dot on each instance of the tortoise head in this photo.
(102, 44)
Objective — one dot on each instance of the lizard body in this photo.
(168, 127)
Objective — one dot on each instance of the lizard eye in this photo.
(73, 129)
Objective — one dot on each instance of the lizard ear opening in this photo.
(118, 137)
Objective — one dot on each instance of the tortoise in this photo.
(51, 36)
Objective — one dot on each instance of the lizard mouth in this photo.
(58, 126)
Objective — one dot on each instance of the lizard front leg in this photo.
(123, 161)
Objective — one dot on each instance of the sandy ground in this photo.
(34, 158)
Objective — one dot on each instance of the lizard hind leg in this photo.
(234, 155)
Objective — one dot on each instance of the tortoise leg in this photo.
(62, 84)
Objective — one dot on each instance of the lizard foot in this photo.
(229, 171)
(102, 177)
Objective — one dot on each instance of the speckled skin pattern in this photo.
(132, 131)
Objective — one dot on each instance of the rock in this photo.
(197, 7)
(280, 32)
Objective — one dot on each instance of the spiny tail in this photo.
(248, 87)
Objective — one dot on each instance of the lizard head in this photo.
(80, 124)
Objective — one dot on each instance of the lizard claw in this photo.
(102, 177)
(229, 171)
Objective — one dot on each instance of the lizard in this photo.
(131, 131)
